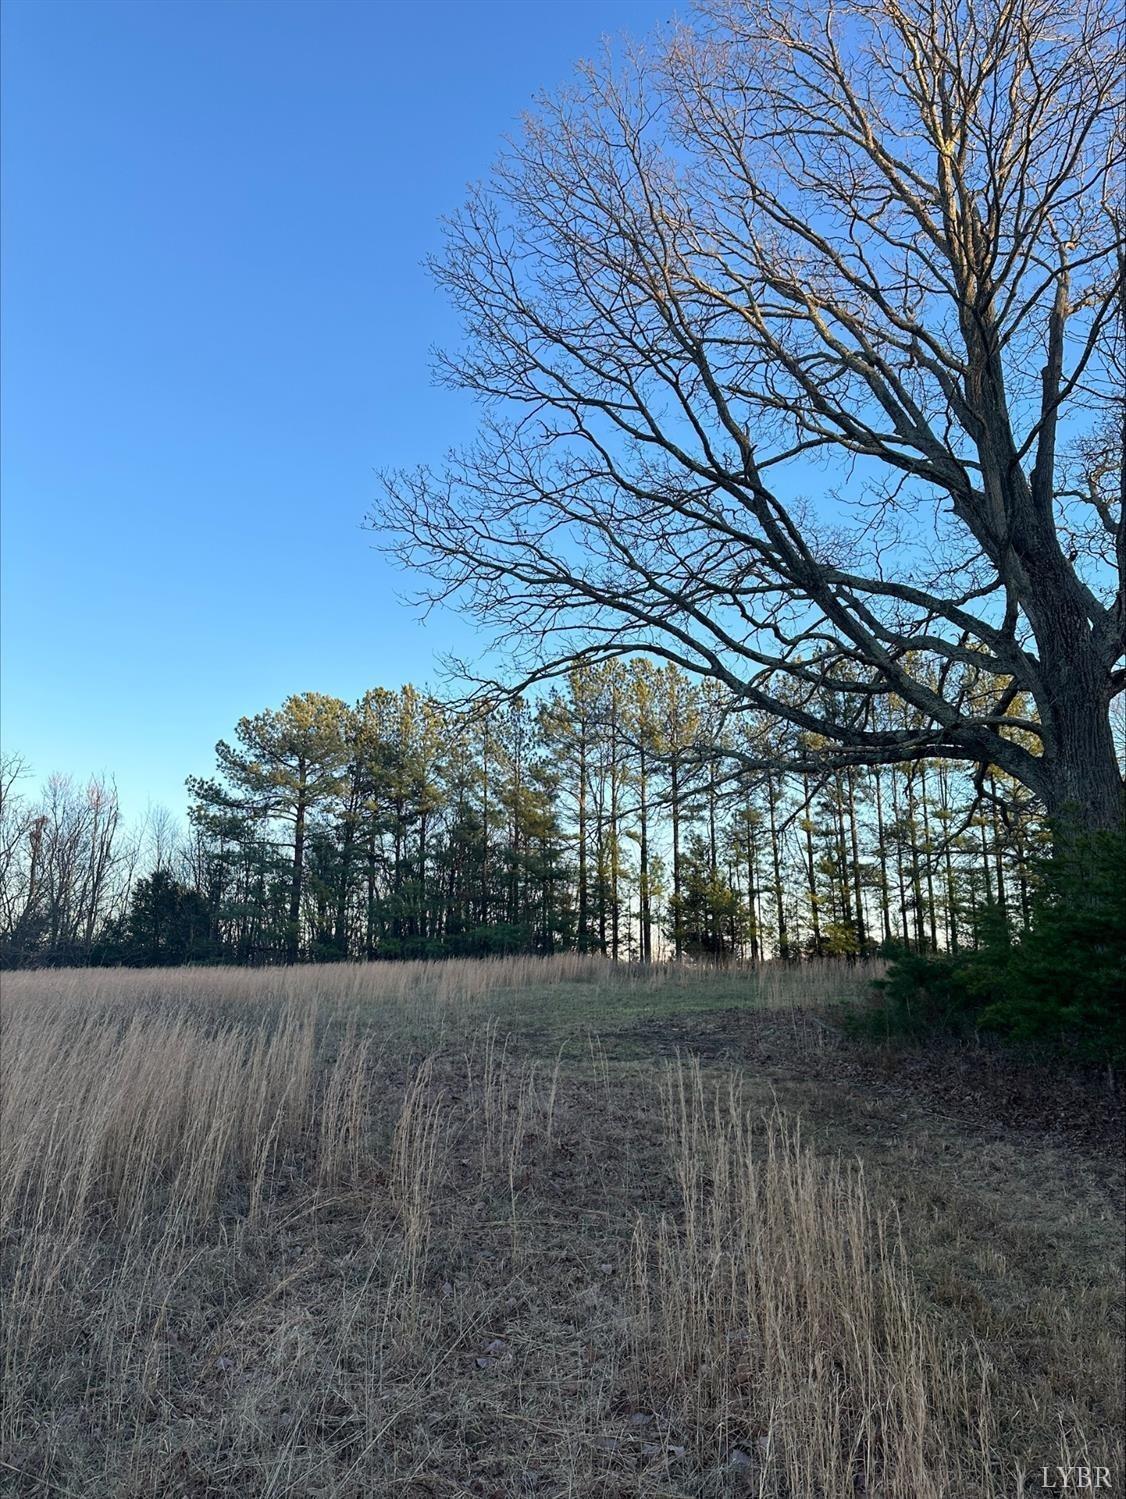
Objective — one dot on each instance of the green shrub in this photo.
(923, 993)
(1061, 980)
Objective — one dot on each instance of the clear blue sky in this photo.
(215, 328)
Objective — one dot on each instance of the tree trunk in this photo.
(752, 882)
(1083, 787)
(674, 793)
(483, 911)
(615, 847)
(644, 914)
(885, 904)
(369, 940)
(776, 861)
(932, 924)
(998, 850)
(584, 895)
(811, 868)
(293, 930)
(340, 926)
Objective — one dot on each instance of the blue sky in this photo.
(216, 328)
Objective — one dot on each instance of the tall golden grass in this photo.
(425, 988)
(233, 1210)
(778, 1315)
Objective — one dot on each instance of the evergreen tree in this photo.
(285, 765)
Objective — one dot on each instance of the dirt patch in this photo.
(973, 1085)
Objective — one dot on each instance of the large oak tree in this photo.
(800, 339)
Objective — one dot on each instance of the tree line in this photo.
(613, 814)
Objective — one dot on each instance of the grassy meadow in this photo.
(533, 1228)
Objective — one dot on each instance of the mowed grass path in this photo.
(547, 1228)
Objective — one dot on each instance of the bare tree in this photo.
(62, 869)
(79, 831)
(800, 341)
(21, 849)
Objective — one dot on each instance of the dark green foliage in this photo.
(1060, 980)
(167, 924)
(598, 819)
(711, 918)
(923, 993)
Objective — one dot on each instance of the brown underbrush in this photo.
(353, 1233)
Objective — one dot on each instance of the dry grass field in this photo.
(537, 1228)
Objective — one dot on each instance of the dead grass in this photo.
(780, 1318)
(417, 1230)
